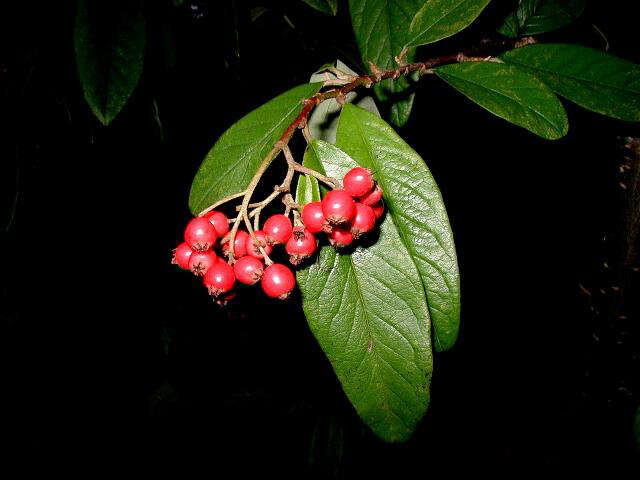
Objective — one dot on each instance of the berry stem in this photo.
(485, 52)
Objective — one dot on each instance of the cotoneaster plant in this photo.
(365, 228)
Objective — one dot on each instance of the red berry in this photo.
(200, 234)
(239, 245)
(313, 218)
(248, 270)
(219, 278)
(358, 182)
(364, 220)
(378, 209)
(278, 281)
(338, 207)
(219, 221)
(373, 197)
(181, 256)
(200, 262)
(277, 229)
(340, 237)
(300, 245)
(253, 247)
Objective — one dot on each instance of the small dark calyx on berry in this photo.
(223, 300)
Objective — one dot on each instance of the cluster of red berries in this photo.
(343, 214)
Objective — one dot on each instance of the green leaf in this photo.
(368, 311)
(109, 45)
(323, 121)
(593, 79)
(438, 19)
(380, 27)
(415, 205)
(533, 17)
(234, 159)
(330, 7)
(511, 94)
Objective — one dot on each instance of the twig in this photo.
(483, 53)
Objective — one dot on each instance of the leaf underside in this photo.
(367, 309)
(414, 203)
(234, 159)
(323, 121)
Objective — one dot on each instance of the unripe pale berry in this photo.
(181, 256)
(201, 262)
(340, 237)
(278, 281)
(358, 182)
(200, 234)
(378, 209)
(278, 229)
(239, 245)
(219, 221)
(300, 245)
(219, 279)
(313, 218)
(248, 270)
(253, 247)
(364, 221)
(373, 197)
(338, 207)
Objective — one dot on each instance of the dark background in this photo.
(115, 356)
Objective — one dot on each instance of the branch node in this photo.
(401, 58)
(523, 42)
(376, 72)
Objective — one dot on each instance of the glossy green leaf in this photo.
(380, 27)
(323, 121)
(511, 94)
(234, 159)
(533, 17)
(438, 19)
(591, 78)
(368, 311)
(330, 7)
(109, 43)
(415, 205)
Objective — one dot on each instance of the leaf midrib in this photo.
(509, 59)
(401, 232)
(366, 314)
(525, 107)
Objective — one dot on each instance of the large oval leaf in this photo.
(109, 44)
(234, 159)
(416, 207)
(593, 79)
(533, 17)
(511, 94)
(369, 313)
(380, 27)
(438, 19)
